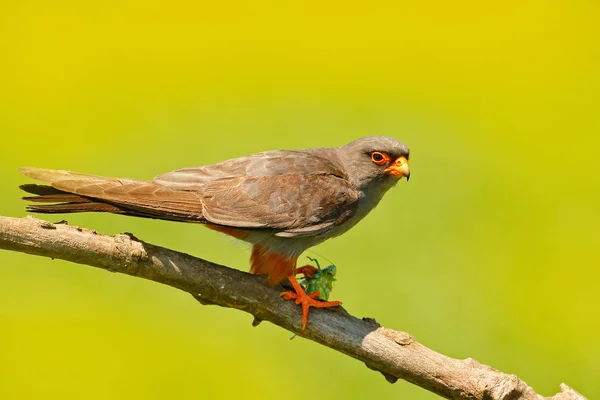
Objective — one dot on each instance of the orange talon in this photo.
(306, 300)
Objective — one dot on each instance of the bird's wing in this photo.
(293, 204)
(295, 192)
(270, 163)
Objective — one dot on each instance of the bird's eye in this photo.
(379, 158)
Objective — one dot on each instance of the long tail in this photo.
(71, 192)
(68, 202)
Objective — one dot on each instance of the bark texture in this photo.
(393, 353)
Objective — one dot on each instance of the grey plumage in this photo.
(289, 193)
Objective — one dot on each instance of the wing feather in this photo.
(293, 205)
(270, 163)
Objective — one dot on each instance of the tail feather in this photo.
(57, 198)
(54, 176)
(48, 194)
(40, 190)
(67, 202)
(74, 192)
(65, 208)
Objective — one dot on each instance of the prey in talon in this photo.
(316, 286)
(319, 280)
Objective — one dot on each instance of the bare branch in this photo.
(395, 354)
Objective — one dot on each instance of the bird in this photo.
(281, 202)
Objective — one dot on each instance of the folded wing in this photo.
(293, 204)
(322, 161)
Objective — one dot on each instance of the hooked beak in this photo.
(399, 168)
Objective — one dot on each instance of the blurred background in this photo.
(491, 251)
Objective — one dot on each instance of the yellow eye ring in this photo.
(379, 158)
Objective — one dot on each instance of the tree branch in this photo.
(395, 354)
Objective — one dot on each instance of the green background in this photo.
(491, 251)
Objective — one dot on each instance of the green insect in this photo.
(318, 279)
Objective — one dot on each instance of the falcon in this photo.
(282, 202)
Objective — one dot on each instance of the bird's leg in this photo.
(308, 271)
(305, 300)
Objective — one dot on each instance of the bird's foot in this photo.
(305, 300)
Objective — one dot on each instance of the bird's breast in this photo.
(294, 246)
(367, 201)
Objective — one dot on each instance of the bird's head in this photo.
(379, 160)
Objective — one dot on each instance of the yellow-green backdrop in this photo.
(491, 251)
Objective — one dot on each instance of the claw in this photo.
(305, 300)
